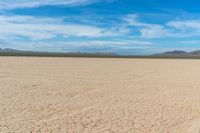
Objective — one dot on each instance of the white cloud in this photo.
(11, 4)
(172, 29)
(146, 30)
(75, 45)
(185, 28)
(155, 31)
(46, 28)
(114, 42)
(185, 25)
(36, 28)
(133, 20)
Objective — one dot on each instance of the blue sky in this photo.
(120, 26)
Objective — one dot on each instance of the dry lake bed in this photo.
(97, 95)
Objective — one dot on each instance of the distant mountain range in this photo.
(178, 53)
(169, 54)
(9, 50)
(14, 52)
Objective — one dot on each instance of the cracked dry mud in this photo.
(89, 95)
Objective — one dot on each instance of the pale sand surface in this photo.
(82, 95)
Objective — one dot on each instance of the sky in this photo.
(128, 27)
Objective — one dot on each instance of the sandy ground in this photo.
(80, 95)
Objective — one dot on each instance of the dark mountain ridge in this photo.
(179, 53)
(14, 52)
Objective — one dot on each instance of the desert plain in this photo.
(99, 95)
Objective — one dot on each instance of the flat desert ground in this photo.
(98, 95)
